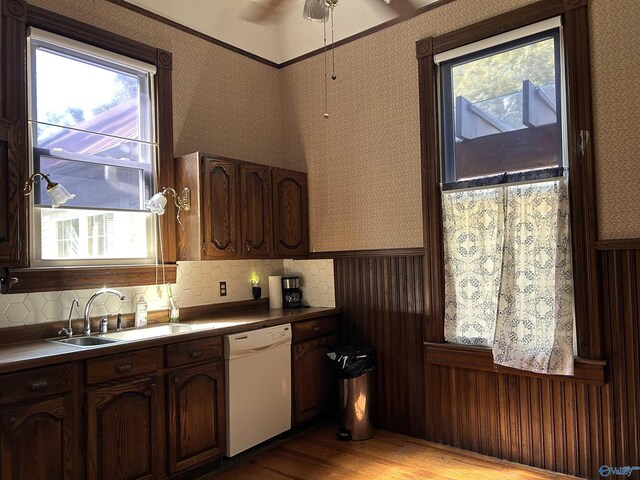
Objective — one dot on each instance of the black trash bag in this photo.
(351, 362)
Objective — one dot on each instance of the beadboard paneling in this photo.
(381, 300)
(559, 425)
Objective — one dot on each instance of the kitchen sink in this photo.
(147, 332)
(86, 341)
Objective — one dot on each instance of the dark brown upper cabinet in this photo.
(211, 226)
(240, 210)
(255, 195)
(290, 213)
(10, 199)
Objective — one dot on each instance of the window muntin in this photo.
(502, 111)
(92, 128)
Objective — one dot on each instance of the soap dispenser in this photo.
(141, 312)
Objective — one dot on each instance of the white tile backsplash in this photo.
(197, 284)
(316, 279)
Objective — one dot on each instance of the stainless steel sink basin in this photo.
(148, 332)
(87, 341)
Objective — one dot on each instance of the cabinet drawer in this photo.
(122, 365)
(185, 353)
(35, 383)
(316, 328)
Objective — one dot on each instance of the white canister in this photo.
(141, 312)
(275, 291)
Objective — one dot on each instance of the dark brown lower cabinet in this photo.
(37, 440)
(314, 392)
(123, 431)
(196, 415)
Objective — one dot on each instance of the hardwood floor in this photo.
(318, 455)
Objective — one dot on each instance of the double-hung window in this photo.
(92, 129)
(505, 202)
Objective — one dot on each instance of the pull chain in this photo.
(326, 91)
(333, 48)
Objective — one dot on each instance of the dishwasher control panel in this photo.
(245, 343)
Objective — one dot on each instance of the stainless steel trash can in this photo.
(355, 399)
(353, 367)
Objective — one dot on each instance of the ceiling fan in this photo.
(316, 10)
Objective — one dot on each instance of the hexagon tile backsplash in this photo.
(197, 284)
(316, 281)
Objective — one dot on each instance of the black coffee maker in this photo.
(291, 293)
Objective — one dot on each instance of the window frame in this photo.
(448, 123)
(17, 17)
(575, 44)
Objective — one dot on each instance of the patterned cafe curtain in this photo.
(508, 279)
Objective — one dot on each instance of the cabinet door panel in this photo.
(220, 208)
(314, 391)
(37, 441)
(290, 213)
(256, 210)
(196, 416)
(122, 431)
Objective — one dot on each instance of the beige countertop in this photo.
(19, 356)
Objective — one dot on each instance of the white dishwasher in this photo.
(258, 381)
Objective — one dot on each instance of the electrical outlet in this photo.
(223, 289)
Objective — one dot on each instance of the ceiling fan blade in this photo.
(263, 13)
(401, 7)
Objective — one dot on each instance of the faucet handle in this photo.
(66, 331)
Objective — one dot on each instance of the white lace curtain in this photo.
(508, 279)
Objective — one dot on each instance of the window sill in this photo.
(479, 358)
(69, 278)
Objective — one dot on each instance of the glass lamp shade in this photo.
(156, 204)
(59, 195)
(315, 11)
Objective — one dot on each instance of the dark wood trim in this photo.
(69, 278)
(365, 33)
(520, 17)
(433, 262)
(481, 359)
(390, 252)
(619, 244)
(581, 162)
(191, 31)
(582, 177)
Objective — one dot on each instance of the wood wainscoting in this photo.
(382, 305)
(566, 426)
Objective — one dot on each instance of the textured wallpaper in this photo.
(615, 66)
(223, 103)
(364, 161)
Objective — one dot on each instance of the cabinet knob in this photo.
(125, 367)
(316, 329)
(38, 385)
(195, 353)
(176, 380)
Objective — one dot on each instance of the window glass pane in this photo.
(501, 110)
(70, 234)
(92, 130)
(82, 94)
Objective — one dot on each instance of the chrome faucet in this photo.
(87, 308)
(69, 331)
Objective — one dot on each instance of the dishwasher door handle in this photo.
(251, 351)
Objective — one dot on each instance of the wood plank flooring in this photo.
(317, 454)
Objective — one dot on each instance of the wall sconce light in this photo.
(157, 203)
(57, 193)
